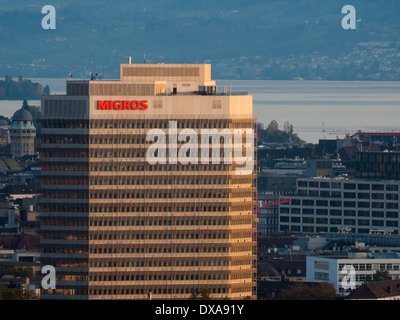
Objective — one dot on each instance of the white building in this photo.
(347, 273)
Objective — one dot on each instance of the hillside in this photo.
(247, 40)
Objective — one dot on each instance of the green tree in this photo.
(381, 276)
(272, 127)
(301, 291)
(16, 294)
(203, 294)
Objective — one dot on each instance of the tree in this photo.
(16, 294)
(272, 127)
(272, 131)
(261, 132)
(46, 90)
(203, 294)
(301, 291)
(381, 276)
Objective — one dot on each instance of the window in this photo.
(349, 213)
(392, 215)
(322, 276)
(363, 222)
(363, 186)
(363, 213)
(322, 265)
(335, 212)
(379, 187)
(322, 212)
(392, 223)
(348, 204)
(335, 203)
(392, 205)
(349, 222)
(308, 202)
(349, 195)
(335, 221)
(302, 183)
(392, 187)
(313, 184)
(308, 220)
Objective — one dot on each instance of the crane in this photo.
(370, 133)
(262, 204)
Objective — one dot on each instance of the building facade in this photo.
(344, 205)
(378, 165)
(22, 134)
(117, 223)
(348, 273)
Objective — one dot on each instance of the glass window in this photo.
(349, 213)
(308, 202)
(322, 212)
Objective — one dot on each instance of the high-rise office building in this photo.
(127, 211)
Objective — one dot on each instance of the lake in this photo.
(310, 106)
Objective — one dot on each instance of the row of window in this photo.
(346, 185)
(340, 212)
(169, 291)
(143, 124)
(312, 229)
(347, 222)
(22, 131)
(176, 208)
(159, 277)
(126, 167)
(371, 266)
(158, 263)
(347, 195)
(206, 234)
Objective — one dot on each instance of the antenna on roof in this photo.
(93, 76)
(144, 57)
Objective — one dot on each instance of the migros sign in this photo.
(122, 105)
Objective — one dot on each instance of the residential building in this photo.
(380, 290)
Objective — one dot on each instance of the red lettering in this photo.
(118, 105)
(102, 105)
(127, 105)
(143, 105)
(135, 105)
(122, 105)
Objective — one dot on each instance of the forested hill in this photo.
(258, 39)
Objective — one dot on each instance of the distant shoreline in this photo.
(21, 99)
